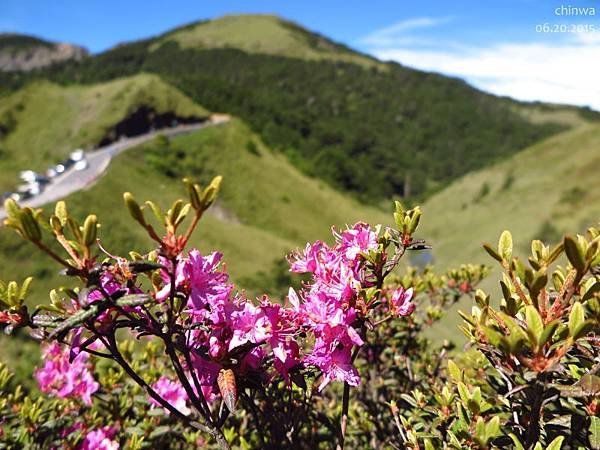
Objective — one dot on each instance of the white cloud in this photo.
(551, 71)
(395, 34)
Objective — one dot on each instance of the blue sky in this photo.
(499, 46)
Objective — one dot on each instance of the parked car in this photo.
(59, 168)
(81, 165)
(29, 176)
(30, 188)
(77, 155)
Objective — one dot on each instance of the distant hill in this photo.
(262, 34)
(23, 53)
(375, 129)
(542, 192)
(41, 123)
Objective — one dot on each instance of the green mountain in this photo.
(372, 128)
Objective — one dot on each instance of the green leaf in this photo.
(517, 442)
(492, 429)
(463, 392)
(535, 325)
(556, 443)
(144, 266)
(183, 213)
(74, 320)
(573, 254)
(555, 253)
(576, 318)
(505, 245)
(595, 433)
(548, 332)
(210, 193)
(156, 211)
(134, 300)
(30, 226)
(455, 371)
(25, 288)
(493, 253)
(159, 431)
(591, 291)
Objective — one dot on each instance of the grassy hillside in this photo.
(540, 193)
(267, 206)
(42, 122)
(376, 133)
(264, 34)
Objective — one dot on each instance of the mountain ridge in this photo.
(19, 52)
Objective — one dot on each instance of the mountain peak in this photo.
(19, 52)
(265, 34)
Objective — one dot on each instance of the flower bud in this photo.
(60, 211)
(90, 227)
(11, 207)
(134, 208)
(210, 193)
(227, 386)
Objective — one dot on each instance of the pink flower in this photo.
(336, 365)
(173, 393)
(100, 439)
(307, 262)
(358, 239)
(110, 285)
(400, 304)
(64, 379)
(249, 324)
(199, 278)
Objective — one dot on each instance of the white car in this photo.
(59, 168)
(81, 165)
(28, 176)
(76, 155)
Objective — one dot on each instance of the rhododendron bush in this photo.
(160, 350)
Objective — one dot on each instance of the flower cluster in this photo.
(229, 330)
(226, 328)
(100, 439)
(65, 378)
(173, 392)
(332, 306)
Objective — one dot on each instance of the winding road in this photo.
(98, 161)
